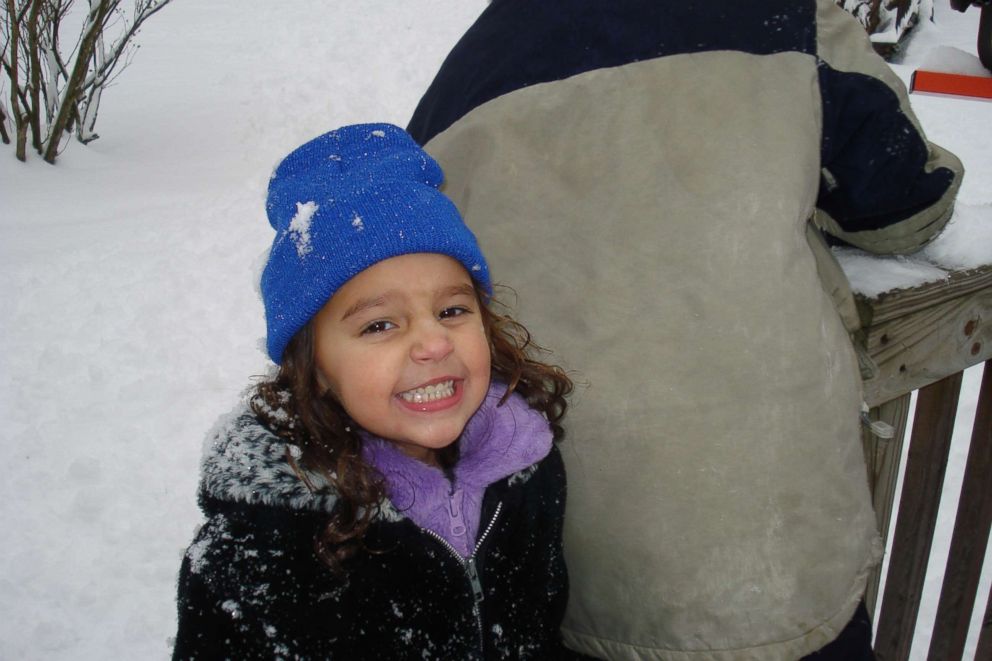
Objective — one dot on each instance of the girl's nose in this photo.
(432, 343)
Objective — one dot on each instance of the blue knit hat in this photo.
(343, 202)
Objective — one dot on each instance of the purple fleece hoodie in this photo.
(497, 442)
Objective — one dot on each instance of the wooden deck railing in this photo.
(922, 339)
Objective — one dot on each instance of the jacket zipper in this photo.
(472, 571)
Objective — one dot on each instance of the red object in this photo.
(958, 84)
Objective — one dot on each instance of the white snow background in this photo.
(129, 320)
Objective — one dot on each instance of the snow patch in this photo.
(197, 553)
(966, 242)
(232, 608)
(948, 59)
(871, 275)
(299, 227)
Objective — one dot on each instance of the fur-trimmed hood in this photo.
(244, 462)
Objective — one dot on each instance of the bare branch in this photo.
(20, 13)
(143, 11)
(4, 134)
(90, 104)
(50, 88)
(34, 110)
(73, 88)
(20, 127)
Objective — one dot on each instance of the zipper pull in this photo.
(456, 522)
(473, 577)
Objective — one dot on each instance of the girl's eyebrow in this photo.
(364, 304)
(465, 289)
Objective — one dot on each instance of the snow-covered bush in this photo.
(57, 60)
(886, 20)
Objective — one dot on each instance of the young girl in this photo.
(393, 491)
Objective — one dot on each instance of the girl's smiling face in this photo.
(402, 347)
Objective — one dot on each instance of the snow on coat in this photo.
(251, 586)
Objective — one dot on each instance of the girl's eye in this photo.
(453, 311)
(378, 327)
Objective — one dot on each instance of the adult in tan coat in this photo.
(644, 174)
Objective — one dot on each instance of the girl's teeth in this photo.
(429, 393)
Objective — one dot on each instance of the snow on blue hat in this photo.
(343, 202)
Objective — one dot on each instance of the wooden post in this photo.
(984, 650)
(971, 534)
(985, 37)
(936, 408)
(882, 456)
(874, 16)
(902, 7)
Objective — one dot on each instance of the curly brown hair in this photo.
(294, 405)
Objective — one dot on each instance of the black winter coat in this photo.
(251, 586)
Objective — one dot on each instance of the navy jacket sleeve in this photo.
(885, 187)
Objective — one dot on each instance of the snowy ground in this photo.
(131, 321)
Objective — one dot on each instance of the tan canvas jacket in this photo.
(642, 174)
